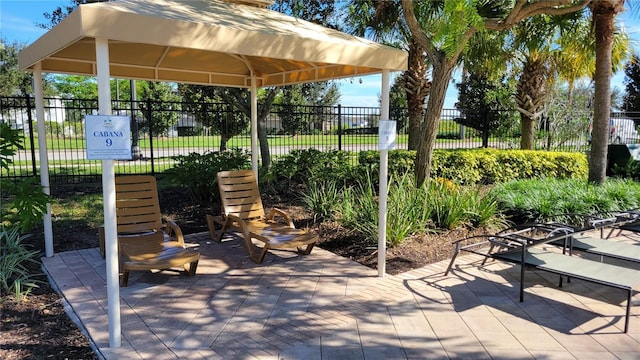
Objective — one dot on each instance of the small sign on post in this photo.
(386, 135)
(108, 137)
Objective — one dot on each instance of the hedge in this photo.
(487, 166)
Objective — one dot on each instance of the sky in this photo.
(18, 19)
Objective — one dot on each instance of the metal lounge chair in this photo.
(582, 239)
(145, 241)
(605, 248)
(520, 245)
(243, 212)
(627, 220)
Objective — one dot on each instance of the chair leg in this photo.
(453, 258)
(258, 258)
(224, 228)
(191, 268)
(626, 317)
(264, 252)
(488, 254)
(307, 250)
(212, 224)
(124, 281)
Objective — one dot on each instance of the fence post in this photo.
(339, 127)
(485, 129)
(150, 123)
(34, 169)
(135, 141)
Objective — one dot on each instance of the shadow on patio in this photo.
(323, 306)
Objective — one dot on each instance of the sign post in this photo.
(386, 142)
(109, 138)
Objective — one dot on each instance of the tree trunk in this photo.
(604, 13)
(224, 139)
(530, 95)
(416, 89)
(527, 132)
(240, 99)
(265, 153)
(263, 113)
(442, 71)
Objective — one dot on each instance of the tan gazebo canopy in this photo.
(205, 42)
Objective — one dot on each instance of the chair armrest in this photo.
(598, 223)
(173, 231)
(275, 211)
(240, 224)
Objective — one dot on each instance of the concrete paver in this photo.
(322, 306)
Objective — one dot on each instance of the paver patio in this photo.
(323, 306)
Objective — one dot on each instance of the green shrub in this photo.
(544, 199)
(484, 166)
(630, 170)
(490, 166)
(435, 205)
(454, 206)
(198, 172)
(461, 166)
(302, 167)
(401, 162)
(15, 276)
(359, 211)
(406, 213)
(26, 204)
(11, 140)
(323, 199)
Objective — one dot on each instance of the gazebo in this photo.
(207, 42)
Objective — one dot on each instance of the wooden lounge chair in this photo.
(243, 212)
(145, 241)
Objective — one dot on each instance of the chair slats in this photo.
(132, 202)
(138, 195)
(150, 219)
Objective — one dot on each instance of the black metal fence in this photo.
(162, 130)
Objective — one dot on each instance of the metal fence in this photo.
(163, 130)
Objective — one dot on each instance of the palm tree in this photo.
(384, 20)
(534, 38)
(556, 48)
(542, 54)
(444, 31)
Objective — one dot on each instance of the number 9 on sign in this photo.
(109, 142)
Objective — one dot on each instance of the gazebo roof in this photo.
(205, 42)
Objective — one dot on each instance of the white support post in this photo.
(109, 198)
(43, 157)
(383, 190)
(254, 126)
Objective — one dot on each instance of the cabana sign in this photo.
(386, 135)
(108, 137)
